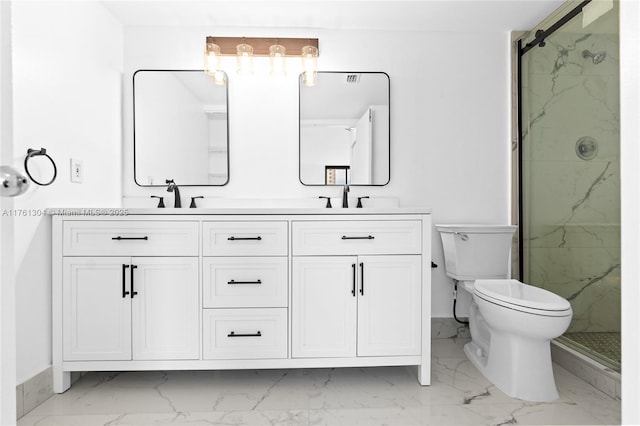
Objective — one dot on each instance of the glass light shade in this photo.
(277, 54)
(310, 65)
(212, 64)
(309, 78)
(244, 57)
(211, 58)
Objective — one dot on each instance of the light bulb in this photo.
(277, 55)
(244, 59)
(212, 65)
(310, 65)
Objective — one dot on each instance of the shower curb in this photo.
(589, 370)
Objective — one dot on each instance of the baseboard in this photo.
(589, 370)
(34, 391)
(37, 390)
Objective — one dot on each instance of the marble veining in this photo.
(459, 395)
(572, 205)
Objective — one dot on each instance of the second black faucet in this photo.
(176, 192)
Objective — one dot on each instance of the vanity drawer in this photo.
(244, 333)
(357, 237)
(244, 238)
(244, 282)
(130, 238)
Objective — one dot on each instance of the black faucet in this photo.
(193, 201)
(345, 196)
(176, 192)
(359, 205)
(328, 201)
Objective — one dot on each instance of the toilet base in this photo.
(521, 369)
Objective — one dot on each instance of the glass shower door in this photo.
(570, 171)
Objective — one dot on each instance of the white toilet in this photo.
(511, 323)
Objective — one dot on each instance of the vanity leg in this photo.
(424, 369)
(424, 374)
(61, 379)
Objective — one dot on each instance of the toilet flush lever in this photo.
(463, 237)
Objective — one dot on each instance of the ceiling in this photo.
(416, 15)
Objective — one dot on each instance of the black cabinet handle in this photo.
(244, 282)
(133, 293)
(119, 238)
(232, 238)
(124, 281)
(233, 334)
(362, 278)
(368, 237)
(353, 289)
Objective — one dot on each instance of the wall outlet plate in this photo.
(77, 171)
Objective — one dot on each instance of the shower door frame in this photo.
(538, 41)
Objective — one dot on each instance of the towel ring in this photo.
(34, 153)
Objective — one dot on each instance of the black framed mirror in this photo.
(181, 130)
(345, 129)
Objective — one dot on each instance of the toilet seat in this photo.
(522, 297)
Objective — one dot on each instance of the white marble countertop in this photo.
(127, 211)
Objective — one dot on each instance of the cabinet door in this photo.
(165, 321)
(389, 309)
(97, 312)
(324, 307)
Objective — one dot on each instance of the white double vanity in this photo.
(206, 289)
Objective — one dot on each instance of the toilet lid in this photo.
(527, 298)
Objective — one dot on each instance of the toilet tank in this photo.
(473, 252)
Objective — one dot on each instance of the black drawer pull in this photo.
(368, 237)
(124, 279)
(233, 334)
(119, 238)
(362, 278)
(244, 282)
(353, 289)
(232, 238)
(133, 292)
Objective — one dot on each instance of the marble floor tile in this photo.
(459, 395)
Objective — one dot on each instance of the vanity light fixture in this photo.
(212, 66)
(276, 49)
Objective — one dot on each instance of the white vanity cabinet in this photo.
(204, 289)
(123, 308)
(245, 286)
(346, 306)
(356, 305)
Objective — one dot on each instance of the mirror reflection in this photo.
(344, 129)
(180, 128)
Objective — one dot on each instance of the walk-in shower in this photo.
(569, 171)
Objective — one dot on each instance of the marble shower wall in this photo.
(572, 205)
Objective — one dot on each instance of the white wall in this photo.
(630, 196)
(450, 120)
(67, 64)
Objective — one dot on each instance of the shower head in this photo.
(596, 58)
